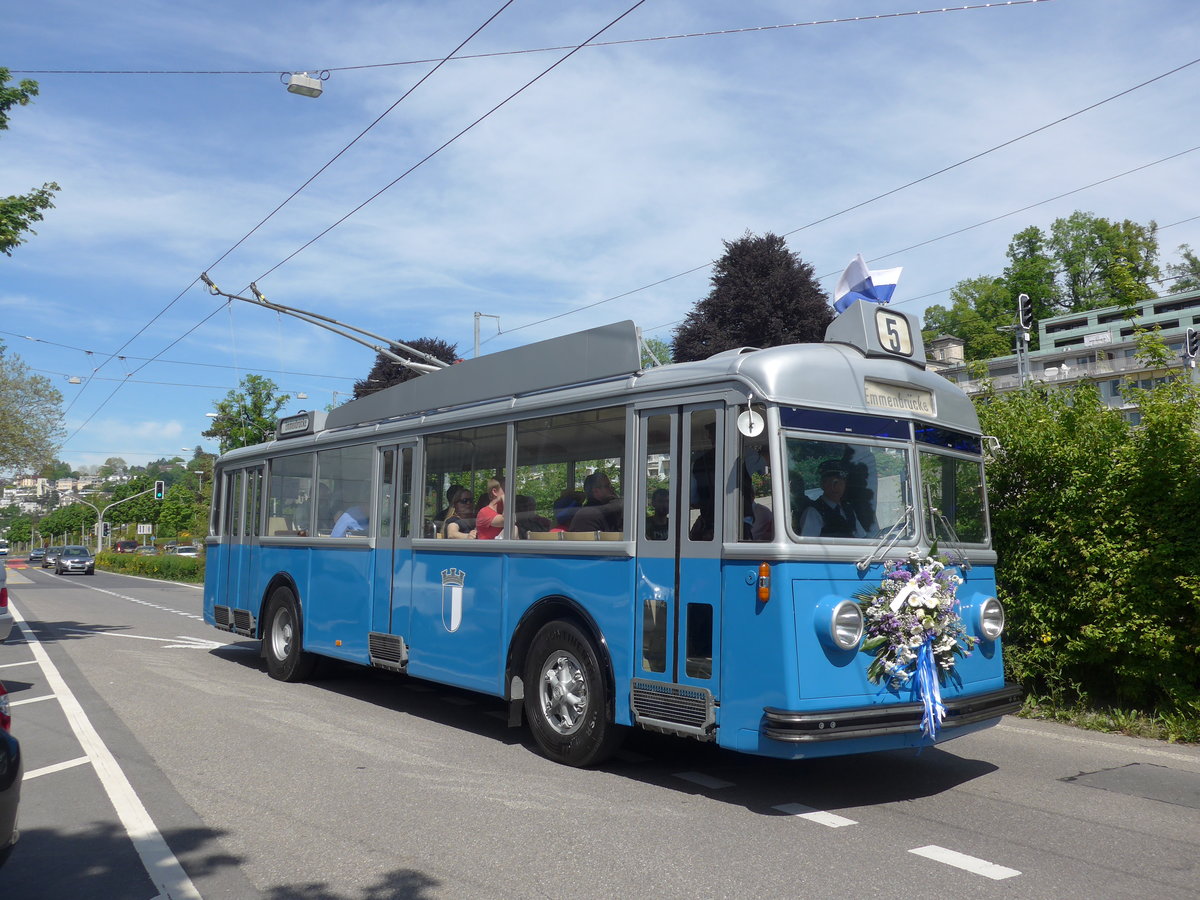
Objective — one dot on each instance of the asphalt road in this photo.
(162, 761)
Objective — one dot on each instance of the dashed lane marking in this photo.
(57, 767)
(800, 811)
(31, 700)
(966, 863)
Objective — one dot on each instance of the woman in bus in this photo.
(459, 522)
(489, 521)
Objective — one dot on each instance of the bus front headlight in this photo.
(846, 625)
(991, 619)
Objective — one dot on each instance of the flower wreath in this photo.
(913, 627)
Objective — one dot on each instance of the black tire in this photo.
(283, 636)
(58, 570)
(566, 698)
(91, 572)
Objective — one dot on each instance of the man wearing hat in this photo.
(829, 515)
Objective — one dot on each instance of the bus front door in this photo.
(681, 458)
(241, 532)
(392, 588)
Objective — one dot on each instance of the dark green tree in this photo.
(1186, 273)
(19, 212)
(247, 415)
(978, 306)
(30, 416)
(1103, 263)
(763, 295)
(387, 372)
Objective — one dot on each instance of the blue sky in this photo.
(624, 166)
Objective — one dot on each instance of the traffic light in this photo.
(1025, 311)
(159, 489)
(107, 529)
(1192, 345)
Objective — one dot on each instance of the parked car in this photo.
(11, 773)
(125, 547)
(36, 555)
(6, 616)
(51, 556)
(147, 550)
(75, 559)
(186, 550)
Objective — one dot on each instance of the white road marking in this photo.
(704, 780)
(832, 820)
(31, 700)
(160, 863)
(178, 642)
(24, 662)
(57, 767)
(967, 863)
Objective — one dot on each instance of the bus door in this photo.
(679, 530)
(243, 499)
(392, 588)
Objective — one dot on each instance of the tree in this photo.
(114, 465)
(30, 416)
(1031, 270)
(978, 306)
(20, 211)
(246, 416)
(655, 352)
(1185, 273)
(762, 295)
(387, 372)
(1103, 263)
(177, 511)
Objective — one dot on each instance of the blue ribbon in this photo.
(929, 690)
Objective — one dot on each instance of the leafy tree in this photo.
(246, 416)
(114, 465)
(978, 306)
(762, 295)
(20, 211)
(1031, 270)
(1186, 273)
(20, 529)
(30, 416)
(387, 372)
(176, 512)
(1102, 263)
(655, 352)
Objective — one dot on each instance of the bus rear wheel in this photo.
(282, 639)
(566, 699)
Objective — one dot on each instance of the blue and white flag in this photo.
(860, 283)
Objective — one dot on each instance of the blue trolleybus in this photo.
(607, 546)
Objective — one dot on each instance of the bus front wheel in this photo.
(282, 643)
(566, 700)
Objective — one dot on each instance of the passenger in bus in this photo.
(829, 515)
(565, 508)
(354, 519)
(603, 510)
(527, 517)
(460, 524)
(658, 522)
(452, 493)
(489, 521)
(861, 483)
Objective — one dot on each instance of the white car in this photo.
(186, 550)
(6, 616)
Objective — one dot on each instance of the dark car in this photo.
(75, 559)
(125, 547)
(11, 772)
(36, 555)
(50, 556)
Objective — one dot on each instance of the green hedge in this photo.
(169, 568)
(1094, 526)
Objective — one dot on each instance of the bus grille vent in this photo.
(222, 618)
(243, 622)
(388, 651)
(674, 708)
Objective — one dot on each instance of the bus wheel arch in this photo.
(283, 634)
(567, 686)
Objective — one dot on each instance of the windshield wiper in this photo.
(897, 530)
(935, 516)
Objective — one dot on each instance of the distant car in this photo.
(147, 550)
(6, 616)
(75, 559)
(185, 550)
(51, 556)
(11, 773)
(36, 555)
(125, 547)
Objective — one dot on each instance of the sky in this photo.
(599, 192)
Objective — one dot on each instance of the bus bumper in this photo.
(889, 719)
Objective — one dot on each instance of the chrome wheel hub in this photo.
(563, 693)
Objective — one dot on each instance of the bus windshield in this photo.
(843, 490)
(953, 489)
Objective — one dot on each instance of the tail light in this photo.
(5, 718)
(3, 597)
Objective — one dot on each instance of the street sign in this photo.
(145, 528)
